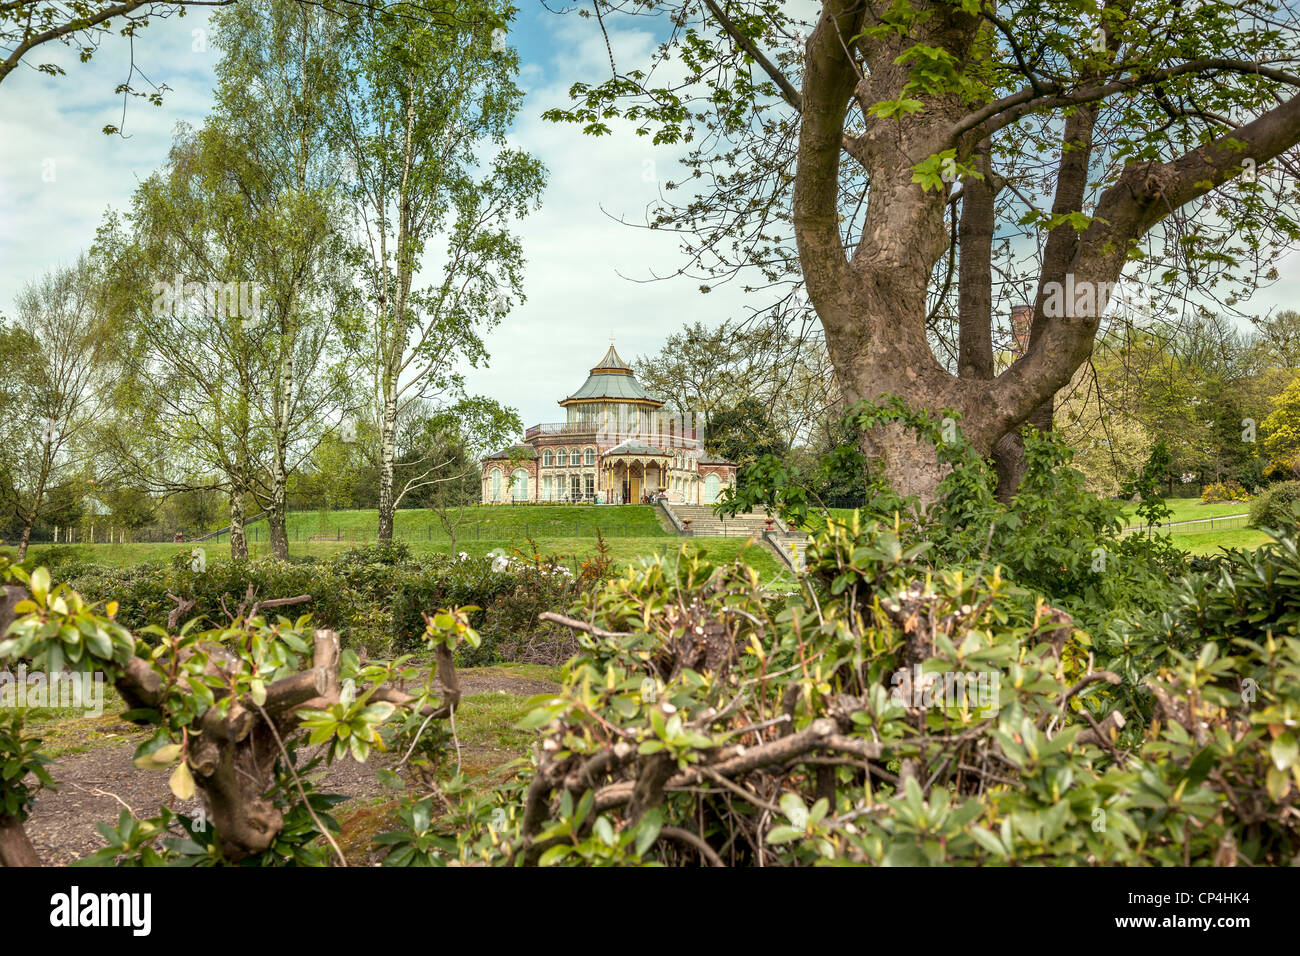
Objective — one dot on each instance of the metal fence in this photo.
(1194, 525)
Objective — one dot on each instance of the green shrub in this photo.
(375, 596)
(1274, 508)
(1229, 490)
(1055, 537)
(701, 723)
(22, 767)
(509, 594)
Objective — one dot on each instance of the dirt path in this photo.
(94, 786)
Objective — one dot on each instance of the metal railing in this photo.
(1193, 525)
(583, 429)
(614, 432)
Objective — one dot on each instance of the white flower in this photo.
(462, 556)
(500, 564)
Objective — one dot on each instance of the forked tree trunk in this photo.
(872, 300)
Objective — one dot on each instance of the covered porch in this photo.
(629, 474)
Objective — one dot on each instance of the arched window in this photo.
(590, 458)
(575, 457)
(519, 482)
(711, 488)
(548, 458)
(562, 458)
(496, 484)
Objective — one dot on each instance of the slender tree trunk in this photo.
(388, 444)
(26, 538)
(277, 517)
(238, 540)
(37, 498)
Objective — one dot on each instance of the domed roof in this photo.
(611, 379)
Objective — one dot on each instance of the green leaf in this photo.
(1284, 750)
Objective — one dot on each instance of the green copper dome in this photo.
(611, 380)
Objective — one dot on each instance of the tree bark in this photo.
(238, 539)
(25, 539)
(15, 848)
(387, 458)
(872, 299)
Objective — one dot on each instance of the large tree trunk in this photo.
(277, 525)
(873, 303)
(908, 463)
(871, 298)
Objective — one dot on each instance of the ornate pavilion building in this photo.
(616, 446)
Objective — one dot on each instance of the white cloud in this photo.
(581, 261)
(58, 171)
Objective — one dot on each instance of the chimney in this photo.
(1022, 317)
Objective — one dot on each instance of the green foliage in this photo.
(1275, 506)
(375, 596)
(697, 675)
(1230, 490)
(175, 839)
(744, 433)
(1282, 427)
(1147, 484)
(57, 628)
(507, 592)
(1054, 537)
(22, 768)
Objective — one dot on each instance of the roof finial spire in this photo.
(611, 339)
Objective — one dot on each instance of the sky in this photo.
(59, 174)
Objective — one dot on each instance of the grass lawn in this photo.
(484, 522)
(1184, 509)
(69, 730)
(1209, 542)
(1191, 509)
